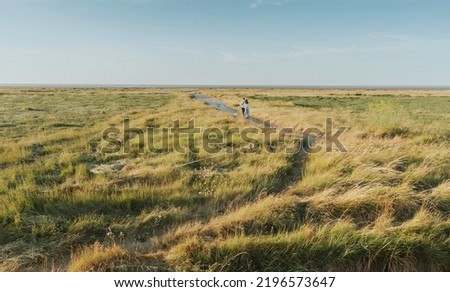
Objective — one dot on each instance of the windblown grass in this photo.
(382, 206)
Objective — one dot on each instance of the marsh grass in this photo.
(66, 206)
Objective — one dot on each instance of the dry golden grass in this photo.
(96, 258)
(382, 206)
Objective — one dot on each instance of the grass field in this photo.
(65, 205)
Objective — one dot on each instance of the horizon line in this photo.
(137, 85)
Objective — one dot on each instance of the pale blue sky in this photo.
(228, 42)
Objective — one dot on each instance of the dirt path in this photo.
(303, 144)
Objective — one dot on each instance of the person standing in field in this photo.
(242, 105)
(246, 108)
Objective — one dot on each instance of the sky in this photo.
(226, 42)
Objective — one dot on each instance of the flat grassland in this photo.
(67, 206)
